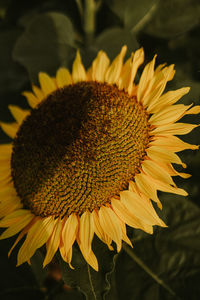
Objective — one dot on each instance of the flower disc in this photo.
(80, 147)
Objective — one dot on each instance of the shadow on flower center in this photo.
(78, 148)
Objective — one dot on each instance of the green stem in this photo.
(80, 7)
(89, 20)
(131, 253)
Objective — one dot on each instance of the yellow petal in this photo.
(173, 143)
(99, 67)
(90, 258)
(129, 71)
(141, 207)
(5, 167)
(8, 202)
(10, 128)
(69, 231)
(5, 182)
(7, 191)
(153, 169)
(177, 128)
(99, 231)
(147, 74)
(63, 77)
(160, 154)
(14, 217)
(37, 236)
(167, 99)
(156, 90)
(92, 261)
(18, 113)
(67, 257)
(133, 187)
(53, 242)
(194, 110)
(126, 215)
(22, 234)
(86, 232)
(5, 151)
(38, 93)
(31, 99)
(113, 72)
(159, 68)
(78, 70)
(16, 227)
(168, 115)
(170, 169)
(5, 175)
(4, 164)
(110, 224)
(7, 207)
(124, 235)
(123, 80)
(147, 189)
(169, 72)
(47, 84)
(166, 187)
(138, 59)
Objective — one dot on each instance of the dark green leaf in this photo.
(138, 12)
(132, 12)
(17, 283)
(174, 17)
(88, 55)
(171, 254)
(94, 285)
(37, 268)
(112, 40)
(46, 44)
(118, 7)
(11, 74)
(3, 7)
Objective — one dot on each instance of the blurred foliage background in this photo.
(44, 35)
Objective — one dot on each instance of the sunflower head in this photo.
(92, 138)
(90, 155)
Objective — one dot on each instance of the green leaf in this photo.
(112, 40)
(16, 282)
(94, 285)
(138, 12)
(133, 12)
(172, 254)
(12, 76)
(174, 17)
(46, 44)
(118, 7)
(37, 268)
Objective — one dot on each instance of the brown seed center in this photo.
(79, 148)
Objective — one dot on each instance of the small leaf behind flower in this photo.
(172, 254)
(174, 17)
(113, 39)
(94, 285)
(132, 12)
(46, 44)
(138, 12)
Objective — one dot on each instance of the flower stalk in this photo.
(89, 20)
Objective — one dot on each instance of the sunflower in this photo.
(90, 155)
